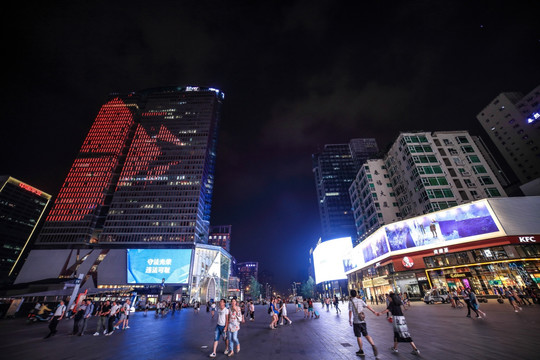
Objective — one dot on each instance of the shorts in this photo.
(360, 329)
(310, 309)
(220, 331)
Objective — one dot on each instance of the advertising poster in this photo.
(328, 259)
(432, 229)
(150, 266)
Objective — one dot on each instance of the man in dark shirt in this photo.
(103, 320)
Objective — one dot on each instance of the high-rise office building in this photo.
(512, 121)
(144, 173)
(246, 270)
(21, 209)
(220, 235)
(135, 206)
(335, 168)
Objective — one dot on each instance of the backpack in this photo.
(270, 309)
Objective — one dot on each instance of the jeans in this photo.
(233, 339)
(469, 307)
(102, 323)
(84, 322)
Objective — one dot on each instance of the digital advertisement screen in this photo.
(431, 229)
(328, 259)
(467, 222)
(150, 266)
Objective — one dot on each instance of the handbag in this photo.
(361, 316)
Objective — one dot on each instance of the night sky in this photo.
(296, 75)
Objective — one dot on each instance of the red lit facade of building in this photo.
(82, 200)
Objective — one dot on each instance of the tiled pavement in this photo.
(439, 332)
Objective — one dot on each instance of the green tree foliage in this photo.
(254, 288)
(308, 288)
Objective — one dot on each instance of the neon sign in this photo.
(31, 189)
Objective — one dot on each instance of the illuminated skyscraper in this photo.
(335, 168)
(21, 208)
(144, 173)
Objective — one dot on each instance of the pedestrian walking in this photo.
(78, 318)
(221, 327)
(87, 314)
(115, 310)
(283, 312)
(475, 304)
(510, 296)
(274, 313)
(455, 297)
(213, 308)
(251, 311)
(401, 331)
(310, 308)
(235, 318)
(357, 319)
(466, 297)
(57, 316)
(336, 305)
(103, 320)
(327, 302)
(305, 305)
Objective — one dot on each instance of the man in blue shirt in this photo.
(87, 314)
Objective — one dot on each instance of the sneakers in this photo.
(226, 351)
(360, 352)
(231, 353)
(108, 334)
(468, 315)
(415, 352)
(290, 322)
(127, 326)
(116, 328)
(394, 350)
(375, 351)
(96, 334)
(213, 355)
(515, 311)
(281, 323)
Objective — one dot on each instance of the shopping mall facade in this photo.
(485, 245)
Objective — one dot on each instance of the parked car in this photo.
(436, 295)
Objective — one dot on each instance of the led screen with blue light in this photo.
(151, 266)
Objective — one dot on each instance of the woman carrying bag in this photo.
(401, 331)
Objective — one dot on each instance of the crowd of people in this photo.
(111, 316)
(230, 316)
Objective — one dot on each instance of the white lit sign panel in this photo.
(328, 259)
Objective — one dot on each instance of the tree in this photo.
(308, 288)
(254, 288)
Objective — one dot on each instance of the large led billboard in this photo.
(328, 259)
(469, 222)
(150, 266)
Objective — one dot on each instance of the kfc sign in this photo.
(526, 239)
(407, 262)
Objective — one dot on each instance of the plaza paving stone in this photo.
(439, 331)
